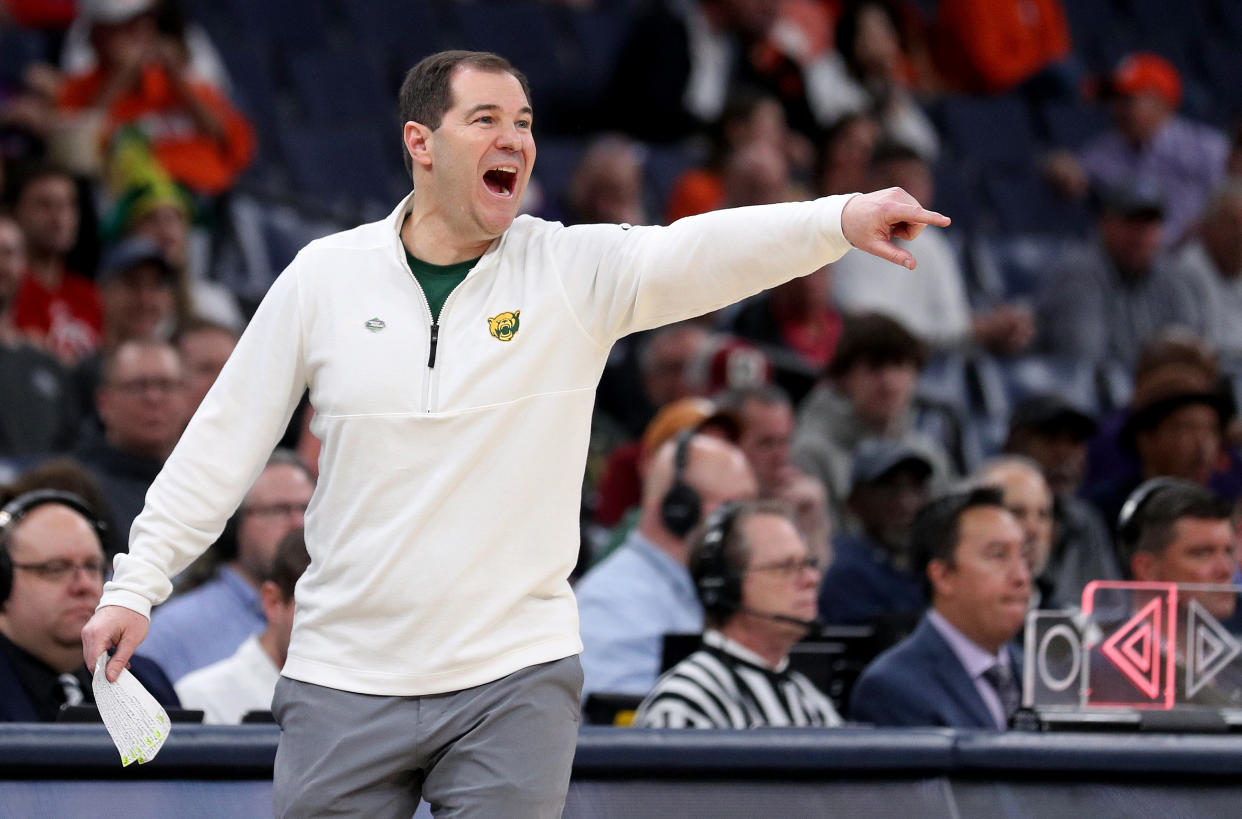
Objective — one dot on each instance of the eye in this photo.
(523, 123)
(486, 119)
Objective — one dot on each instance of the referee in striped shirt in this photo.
(759, 586)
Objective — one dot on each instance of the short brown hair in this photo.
(290, 562)
(427, 92)
(875, 339)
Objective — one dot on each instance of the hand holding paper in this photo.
(137, 723)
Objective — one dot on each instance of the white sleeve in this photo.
(621, 280)
(222, 451)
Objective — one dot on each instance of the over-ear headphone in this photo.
(719, 586)
(681, 508)
(1129, 526)
(24, 504)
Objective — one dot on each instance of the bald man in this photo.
(643, 590)
(1062, 562)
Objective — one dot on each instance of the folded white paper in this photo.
(137, 723)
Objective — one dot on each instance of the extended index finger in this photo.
(898, 213)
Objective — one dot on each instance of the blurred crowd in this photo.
(1076, 333)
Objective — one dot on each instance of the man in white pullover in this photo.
(452, 352)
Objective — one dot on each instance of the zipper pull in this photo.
(435, 337)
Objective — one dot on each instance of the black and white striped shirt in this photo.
(723, 685)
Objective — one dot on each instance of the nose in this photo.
(509, 139)
(84, 579)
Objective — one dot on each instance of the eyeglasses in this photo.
(139, 386)
(276, 510)
(57, 571)
(789, 568)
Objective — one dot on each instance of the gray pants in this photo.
(500, 749)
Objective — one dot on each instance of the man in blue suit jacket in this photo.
(956, 670)
(51, 577)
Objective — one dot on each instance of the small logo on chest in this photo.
(375, 324)
(504, 326)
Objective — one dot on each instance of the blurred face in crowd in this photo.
(766, 123)
(142, 401)
(124, 41)
(767, 429)
(666, 360)
(169, 228)
(1131, 242)
(754, 17)
(12, 261)
(203, 353)
(780, 576)
(138, 303)
(910, 174)
(278, 611)
(1201, 551)
(48, 214)
(1140, 116)
(985, 590)
(1061, 455)
(1185, 444)
(881, 392)
(56, 592)
(1029, 500)
(756, 174)
(848, 155)
(877, 47)
(886, 506)
(1222, 235)
(608, 184)
(275, 506)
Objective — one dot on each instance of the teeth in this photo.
(505, 168)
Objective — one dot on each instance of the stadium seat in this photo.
(334, 89)
(988, 131)
(1070, 124)
(1014, 267)
(492, 25)
(1023, 202)
(342, 165)
(397, 31)
(1073, 379)
(287, 24)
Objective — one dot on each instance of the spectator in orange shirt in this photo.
(142, 81)
(993, 46)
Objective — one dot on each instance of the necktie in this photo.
(72, 688)
(1000, 677)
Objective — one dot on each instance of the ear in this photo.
(940, 575)
(417, 138)
(1143, 566)
(270, 598)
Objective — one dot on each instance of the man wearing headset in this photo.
(642, 591)
(51, 575)
(759, 586)
(1174, 531)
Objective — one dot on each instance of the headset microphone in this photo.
(814, 624)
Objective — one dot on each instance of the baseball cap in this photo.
(1146, 73)
(114, 11)
(1132, 199)
(130, 253)
(876, 457)
(1165, 389)
(1051, 413)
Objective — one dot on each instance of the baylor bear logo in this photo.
(505, 326)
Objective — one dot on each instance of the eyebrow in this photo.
(491, 106)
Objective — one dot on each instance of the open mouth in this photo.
(501, 180)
